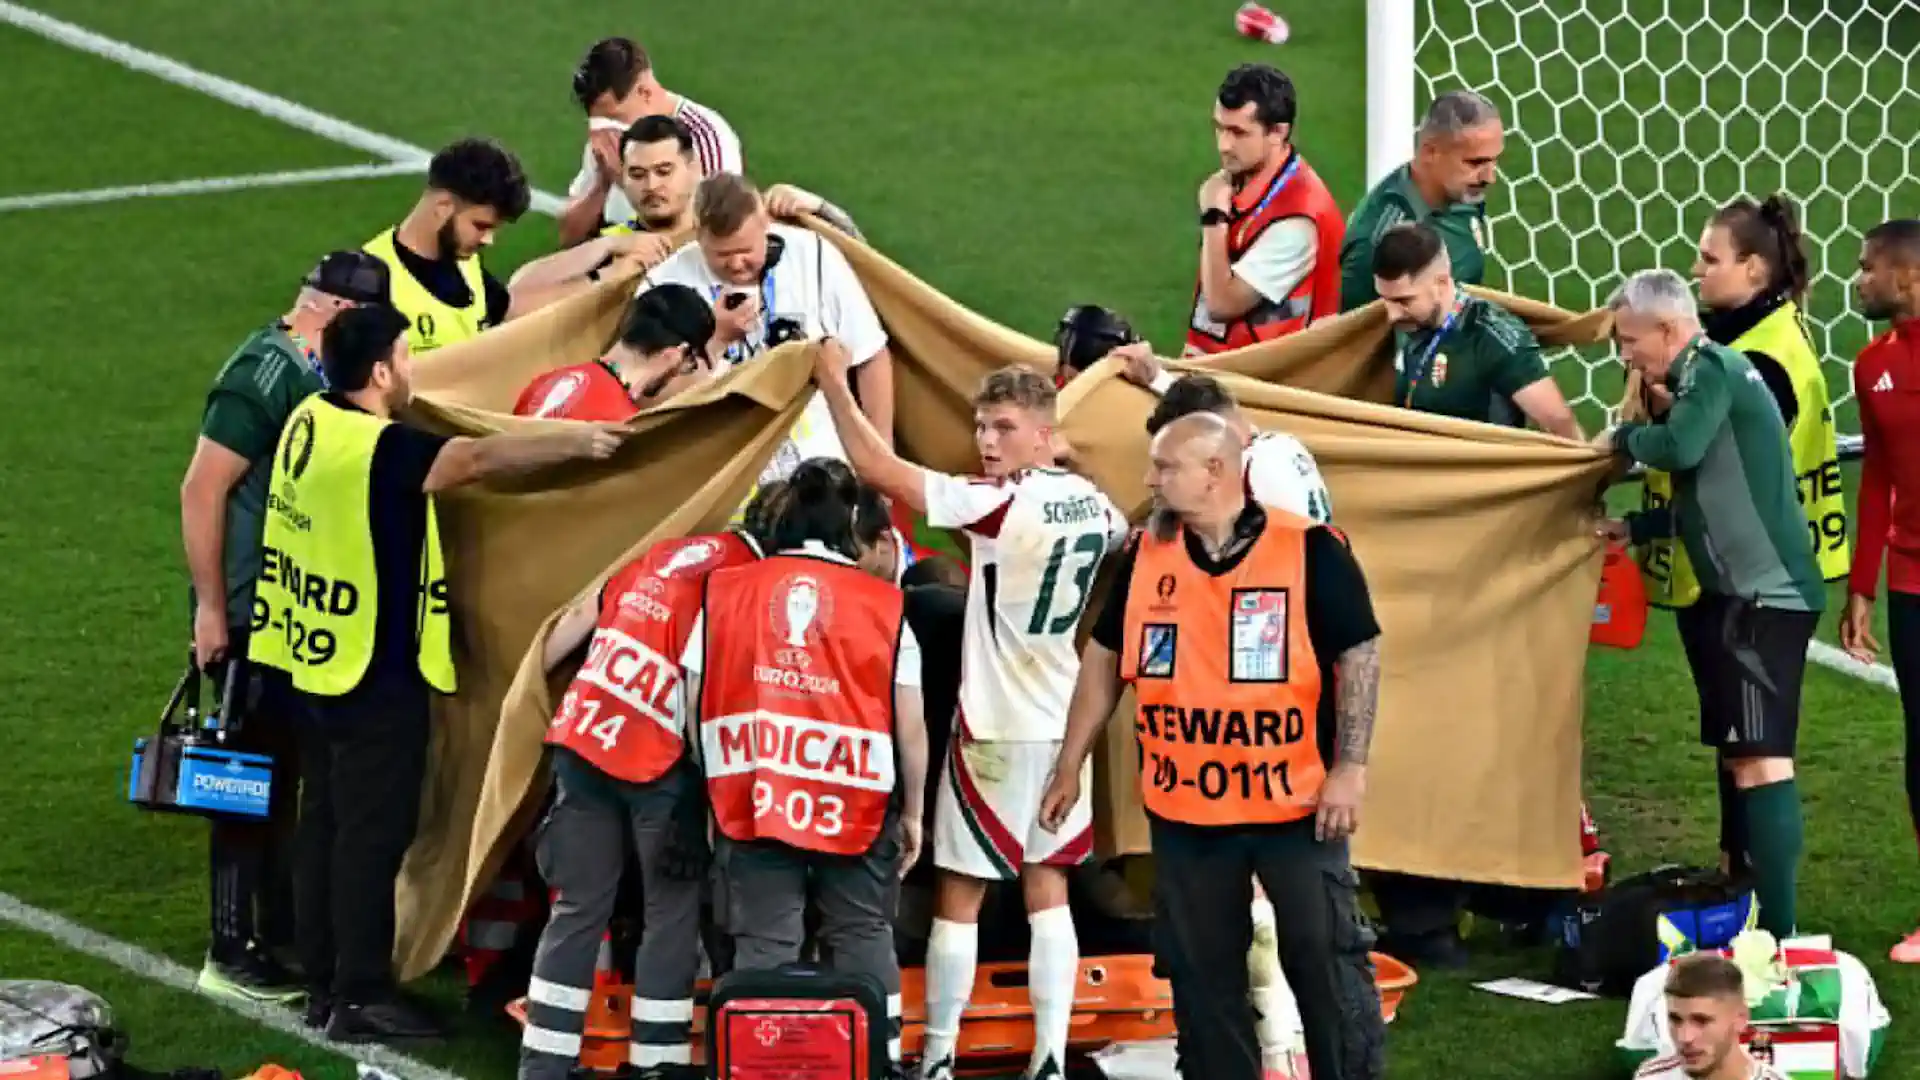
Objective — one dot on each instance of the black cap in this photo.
(1088, 332)
(351, 275)
(669, 315)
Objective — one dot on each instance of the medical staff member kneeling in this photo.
(811, 731)
(353, 606)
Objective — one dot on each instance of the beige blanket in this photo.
(1474, 539)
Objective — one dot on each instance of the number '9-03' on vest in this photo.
(319, 587)
(432, 322)
(1226, 681)
(797, 702)
(1671, 581)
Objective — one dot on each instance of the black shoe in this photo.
(383, 1021)
(248, 973)
(1442, 950)
(319, 1011)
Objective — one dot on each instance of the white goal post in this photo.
(1630, 121)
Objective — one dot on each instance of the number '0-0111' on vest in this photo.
(1226, 680)
(1669, 575)
(316, 605)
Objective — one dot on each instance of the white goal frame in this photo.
(1668, 49)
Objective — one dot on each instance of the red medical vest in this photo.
(1295, 191)
(623, 711)
(796, 702)
(589, 391)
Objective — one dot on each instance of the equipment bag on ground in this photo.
(185, 767)
(1612, 937)
(58, 1029)
(797, 1023)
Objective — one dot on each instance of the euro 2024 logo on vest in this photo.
(689, 557)
(800, 610)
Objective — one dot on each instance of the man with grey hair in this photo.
(1717, 429)
(1445, 185)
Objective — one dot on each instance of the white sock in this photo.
(1263, 973)
(1053, 970)
(952, 952)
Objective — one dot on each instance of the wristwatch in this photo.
(1213, 215)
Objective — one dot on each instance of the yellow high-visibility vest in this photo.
(432, 323)
(318, 578)
(1816, 464)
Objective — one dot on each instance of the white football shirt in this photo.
(1038, 538)
(714, 144)
(1281, 473)
(812, 285)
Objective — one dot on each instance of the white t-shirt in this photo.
(1038, 537)
(714, 144)
(906, 667)
(1281, 473)
(1280, 259)
(812, 285)
(1279, 470)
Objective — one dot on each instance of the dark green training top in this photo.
(1393, 201)
(250, 401)
(1484, 357)
(1734, 505)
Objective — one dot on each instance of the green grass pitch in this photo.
(1020, 156)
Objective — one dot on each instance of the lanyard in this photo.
(1417, 370)
(741, 351)
(1273, 190)
(307, 352)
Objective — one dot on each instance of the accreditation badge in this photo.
(1479, 226)
(1157, 643)
(1259, 635)
(1440, 370)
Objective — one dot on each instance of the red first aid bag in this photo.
(797, 1023)
(1620, 611)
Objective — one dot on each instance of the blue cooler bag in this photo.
(186, 767)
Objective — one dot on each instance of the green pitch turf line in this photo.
(161, 970)
(205, 185)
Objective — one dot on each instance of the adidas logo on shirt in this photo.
(1885, 382)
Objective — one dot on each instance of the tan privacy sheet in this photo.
(1474, 539)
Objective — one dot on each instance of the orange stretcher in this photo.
(1119, 1000)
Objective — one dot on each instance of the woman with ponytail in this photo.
(811, 731)
(1752, 275)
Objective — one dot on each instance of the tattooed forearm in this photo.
(1357, 696)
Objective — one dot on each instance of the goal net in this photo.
(1630, 121)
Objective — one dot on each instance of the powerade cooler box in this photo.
(797, 1023)
(185, 768)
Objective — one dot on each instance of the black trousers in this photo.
(1903, 642)
(250, 863)
(1203, 890)
(363, 759)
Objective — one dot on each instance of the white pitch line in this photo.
(205, 185)
(1827, 656)
(259, 102)
(159, 969)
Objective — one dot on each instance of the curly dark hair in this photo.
(481, 172)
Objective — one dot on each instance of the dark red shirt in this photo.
(1886, 385)
(587, 391)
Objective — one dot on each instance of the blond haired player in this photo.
(1038, 536)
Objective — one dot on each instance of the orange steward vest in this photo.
(796, 702)
(623, 712)
(1226, 681)
(1296, 191)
